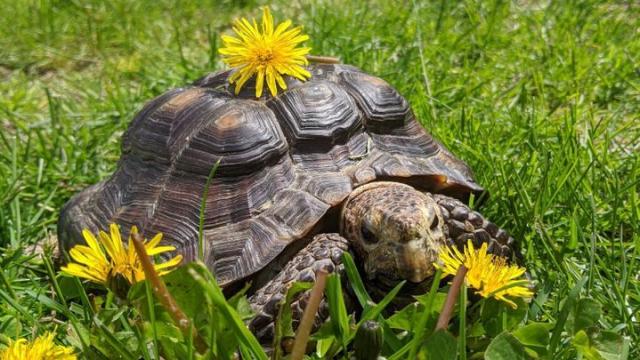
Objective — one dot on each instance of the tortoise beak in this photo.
(418, 276)
(417, 261)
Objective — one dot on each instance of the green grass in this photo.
(542, 101)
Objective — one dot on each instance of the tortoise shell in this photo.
(285, 161)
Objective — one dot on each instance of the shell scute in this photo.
(148, 133)
(317, 114)
(245, 247)
(408, 139)
(233, 199)
(244, 135)
(384, 108)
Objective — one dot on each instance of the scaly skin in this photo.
(395, 233)
(324, 252)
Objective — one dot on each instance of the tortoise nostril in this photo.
(435, 223)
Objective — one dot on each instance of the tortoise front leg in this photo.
(324, 252)
(464, 224)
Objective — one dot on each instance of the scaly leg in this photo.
(464, 224)
(324, 252)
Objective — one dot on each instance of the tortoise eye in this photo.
(435, 223)
(368, 236)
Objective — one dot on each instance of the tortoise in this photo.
(335, 164)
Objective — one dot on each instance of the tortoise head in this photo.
(395, 230)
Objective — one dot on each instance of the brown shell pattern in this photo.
(285, 161)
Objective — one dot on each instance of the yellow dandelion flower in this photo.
(105, 260)
(42, 348)
(268, 52)
(490, 275)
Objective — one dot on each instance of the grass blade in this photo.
(376, 310)
(337, 309)
(203, 208)
(160, 290)
(201, 274)
(356, 281)
(564, 314)
(421, 326)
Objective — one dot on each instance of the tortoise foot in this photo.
(464, 224)
(323, 253)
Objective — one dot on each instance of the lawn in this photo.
(541, 99)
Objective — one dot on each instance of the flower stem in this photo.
(160, 290)
(323, 59)
(462, 330)
(306, 323)
(450, 302)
